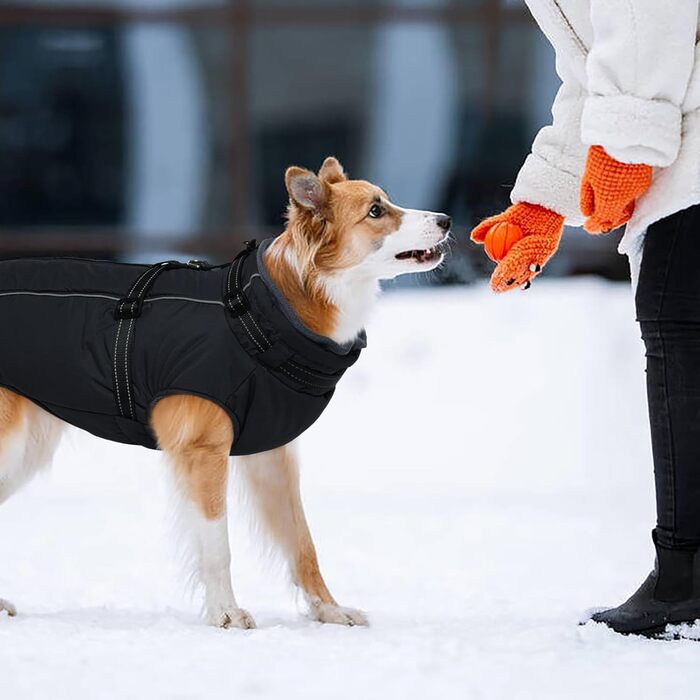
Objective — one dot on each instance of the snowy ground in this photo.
(481, 478)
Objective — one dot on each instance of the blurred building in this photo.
(142, 129)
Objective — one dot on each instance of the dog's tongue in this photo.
(424, 255)
(418, 255)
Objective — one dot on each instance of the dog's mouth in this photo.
(427, 255)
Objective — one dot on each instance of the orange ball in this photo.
(501, 238)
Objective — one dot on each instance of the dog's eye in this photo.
(375, 211)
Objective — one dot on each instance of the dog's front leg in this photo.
(273, 479)
(213, 569)
(197, 437)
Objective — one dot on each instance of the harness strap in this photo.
(273, 354)
(127, 310)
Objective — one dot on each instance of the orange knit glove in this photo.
(542, 230)
(609, 189)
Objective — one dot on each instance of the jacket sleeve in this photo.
(638, 69)
(552, 172)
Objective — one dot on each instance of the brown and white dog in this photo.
(341, 238)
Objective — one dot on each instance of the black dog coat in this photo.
(98, 343)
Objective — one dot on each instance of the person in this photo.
(624, 148)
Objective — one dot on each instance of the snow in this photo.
(481, 478)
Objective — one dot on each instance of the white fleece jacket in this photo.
(630, 72)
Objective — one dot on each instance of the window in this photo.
(136, 128)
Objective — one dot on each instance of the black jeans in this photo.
(668, 309)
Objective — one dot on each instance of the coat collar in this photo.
(272, 333)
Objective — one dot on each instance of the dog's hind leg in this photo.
(197, 436)
(273, 479)
(28, 438)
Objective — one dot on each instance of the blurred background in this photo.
(138, 130)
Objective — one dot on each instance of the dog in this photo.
(309, 293)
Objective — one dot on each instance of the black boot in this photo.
(669, 596)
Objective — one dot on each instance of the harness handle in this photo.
(131, 305)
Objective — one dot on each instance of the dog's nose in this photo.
(444, 222)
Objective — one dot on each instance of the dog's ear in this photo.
(332, 171)
(305, 189)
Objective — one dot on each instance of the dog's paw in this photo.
(10, 609)
(232, 617)
(337, 615)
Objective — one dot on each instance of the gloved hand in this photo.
(541, 229)
(609, 190)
